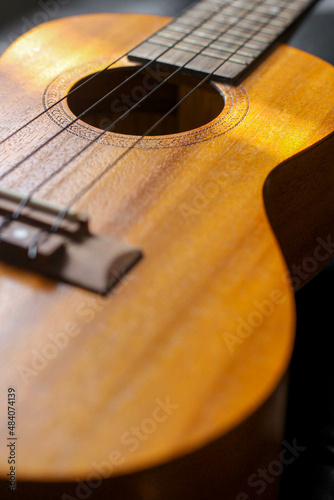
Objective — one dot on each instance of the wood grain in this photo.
(213, 54)
(205, 321)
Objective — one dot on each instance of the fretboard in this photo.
(221, 38)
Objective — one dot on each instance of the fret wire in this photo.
(199, 39)
(90, 186)
(214, 14)
(26, 200)
(32, 120)
(250, 16)
(28, 197)
(79, 195)
(167, 34)
(208, 35)
(36, 150)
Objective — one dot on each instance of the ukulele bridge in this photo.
(70, 254)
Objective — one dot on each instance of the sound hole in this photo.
(201, 107)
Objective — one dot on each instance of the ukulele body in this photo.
(179, 374)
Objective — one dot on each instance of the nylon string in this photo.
(62, 214)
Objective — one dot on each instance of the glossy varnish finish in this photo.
(221, 38)
(206, 319)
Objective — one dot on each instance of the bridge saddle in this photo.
(70, 254)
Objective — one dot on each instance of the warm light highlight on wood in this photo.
(199, 335)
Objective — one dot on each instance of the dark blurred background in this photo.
(310, 418)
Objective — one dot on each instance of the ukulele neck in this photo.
(222, 38)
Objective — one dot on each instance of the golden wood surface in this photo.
(206, 320)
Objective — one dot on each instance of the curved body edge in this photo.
(188, 349)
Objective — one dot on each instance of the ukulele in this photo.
(165, 186)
